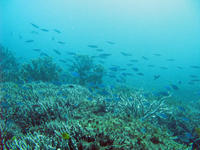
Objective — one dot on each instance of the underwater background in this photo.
(68, 66)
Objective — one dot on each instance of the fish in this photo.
(195, 67)
(92, 46)
(100, 61)
(179, 67)
(103, 92)
(5, 105)
(56, 51)
(127, 74)
(162, 115)
(195, 80)
(44, 54)
(175, 87)
(135, 69)
(60, 42)
(63, 61)
(20, 37)
(104, 55)
(71, 53)
(57, 31)
(34, 32)
(115, 69)
(126, 54)
(34, 25)
(134, 60)
(151, 66)
(161, 93)
(140, 74)
(37, 49)
(75, 74)
(29, 41)
(129, 64)
(122, 69)
(45, 30)
(163, 67)
(145, 58)
(156, 54)
(170, 59)
(179, 82)
(193, 76)
(156, 77)
(99, 50)
(110, 42)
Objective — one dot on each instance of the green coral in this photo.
(88, 71)
(41, 69)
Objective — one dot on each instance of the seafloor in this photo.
(44, 116)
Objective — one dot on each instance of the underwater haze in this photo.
(147, 45)
(169, 28)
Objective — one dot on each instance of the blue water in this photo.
(170, 28)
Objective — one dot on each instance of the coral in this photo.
(49, 117)
(41, 69)
(8, 65)
(86, 70)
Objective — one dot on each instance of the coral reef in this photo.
(8, 65)
(85, 71)
(41, 69)
(47, 116)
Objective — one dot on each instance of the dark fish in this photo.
(104, 55)
(193, 76)
(145, 58)
(99, 50)
(135, 69)
(170, 59)
(34, 32)
(122, 69)
(29, 41)
(71, 53)
(161, 93)
(112, 76)
(63, 61)
(57, 31)
(129, 64)
(140, 74)
(134, 60)
(60, 42)
(115, 69)
(151, 66)
(93, 46)
(174, 87)
(20, 37)
(195, 67)
(56, 51)
(4, 104)
(101, 61)
(156, 77)
(44, 54)
(179, 67)
(126, 54)
(195, 80)
(37, 49)
(75, 74)
(127, 74)
(164, 68)
(111, 43)
(156, 54)
(34, 25)
(45, 30)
